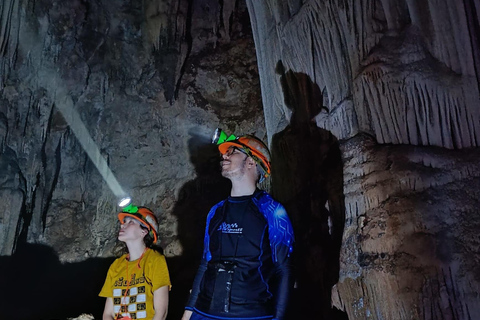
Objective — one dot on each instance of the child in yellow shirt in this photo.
(137, 283)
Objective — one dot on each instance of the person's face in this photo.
(233, 163)
(130, 229)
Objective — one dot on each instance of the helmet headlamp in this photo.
(248, 144)
(124, 202)
(127, 205)
(142, 214)
(220, 137)
(130, 208)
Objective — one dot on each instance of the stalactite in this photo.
(9, 33)
(158, 18)
(11, 190)
(227, 11)
(350, 37)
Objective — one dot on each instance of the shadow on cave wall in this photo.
(307, 178)
(36, 285)
(195, 199)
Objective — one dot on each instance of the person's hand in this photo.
(186, 315)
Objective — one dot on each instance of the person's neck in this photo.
(135, 250)
(242, 188)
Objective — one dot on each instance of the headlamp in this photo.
(220, 137)
(127, 206)
(130, 209)
(124, 202)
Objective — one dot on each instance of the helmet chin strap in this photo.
(129, 280)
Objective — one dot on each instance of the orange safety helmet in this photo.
(144, 215)
(254, 148)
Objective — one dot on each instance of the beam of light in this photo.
(64, 103)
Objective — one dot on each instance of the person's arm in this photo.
(108, 313)
(187, 314)
(203, 266)
(284, 276)
(195, 290)
(280, 232)
(196, 285)
(160, 303)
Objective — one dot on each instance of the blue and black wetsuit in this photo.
(245, 270)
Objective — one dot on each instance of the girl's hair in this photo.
(148, 239)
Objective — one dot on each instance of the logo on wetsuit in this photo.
(230, 228)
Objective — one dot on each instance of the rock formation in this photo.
(371, 109)
(399, 82)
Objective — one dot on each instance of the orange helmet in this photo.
(254, 148)
(144, 215)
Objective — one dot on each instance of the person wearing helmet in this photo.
(138, 283)
(245, 269)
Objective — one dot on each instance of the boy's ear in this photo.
(251, 162)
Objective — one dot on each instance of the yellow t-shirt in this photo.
(137, 302)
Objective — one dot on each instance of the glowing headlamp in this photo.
(127, 206)
(220, 137)
(124, 202)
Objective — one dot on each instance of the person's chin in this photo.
(225, 173)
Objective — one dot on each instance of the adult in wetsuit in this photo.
(245, 270)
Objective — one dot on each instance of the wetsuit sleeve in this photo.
(207, 256)
(281, 243)
(284, 277)
(196, 285)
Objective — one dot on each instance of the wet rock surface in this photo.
(371, 111)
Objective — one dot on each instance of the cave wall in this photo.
(149, 82)
(391, 88)
(399, 83)
(143, 84)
